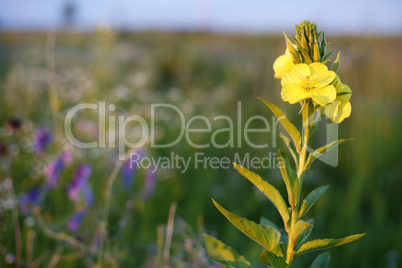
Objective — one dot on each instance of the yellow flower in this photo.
(340, 108)
(283, 64)
(309, 81)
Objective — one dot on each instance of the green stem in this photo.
(289, 251)
(300, 172)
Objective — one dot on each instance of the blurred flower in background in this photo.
(79, 190)
(67, 158)
(42, 138)
(53, 172)
(30, 199)
(56, 167)
(75, 220)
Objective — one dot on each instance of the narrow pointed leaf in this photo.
(299, 228)
(223, 254)
(271, 228)
(293, 52)
(306, 56)
(289, 127)
(265, 222)
(312, 198)
(283, 237)
(321, 261)
(304, 235)
(252, 230)
(327, 56)
(320, 151)
(290, 178)
(335, 65)
(291, 147)
(270, 191)
(314, 123)
(326, 243)
(272, 260)
(302, 209)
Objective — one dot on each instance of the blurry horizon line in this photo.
(189, 30)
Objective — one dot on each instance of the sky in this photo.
(252, 16)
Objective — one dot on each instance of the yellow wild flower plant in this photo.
(305, 79)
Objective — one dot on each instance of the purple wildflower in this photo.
(56, 167)
(30, 199)
(53, 172)
(75, 220)
(149, 183)
(130, 167)
(67, 158)
(79, 188)
(43, 137)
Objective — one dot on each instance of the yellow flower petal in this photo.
(309, 81)
(345, 109)
(331, 110)
(287, 52)
(293, 93)
(282, 65)
(297, 75)
(323, 95)
(321, 76)
(337, 111)
(343, 91)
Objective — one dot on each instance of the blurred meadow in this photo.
(44, 75)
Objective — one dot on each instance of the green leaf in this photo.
(291, 147)
(271, 228)
(290, 178)
(320, 151)
(335, 65)
(299, 228)
(252, 230)
(283, 237)
(304, 235)
(289, 127)
(270, 191)
(323, 47)
(265, 222)
(326, 243)
(314, 123)
(321, 261)
(327, 56)
(293, 52)
(223, 254)
(272, 260)
(312, 198)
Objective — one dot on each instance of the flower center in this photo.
(307, 86)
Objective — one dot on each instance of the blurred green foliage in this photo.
(208, 74)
